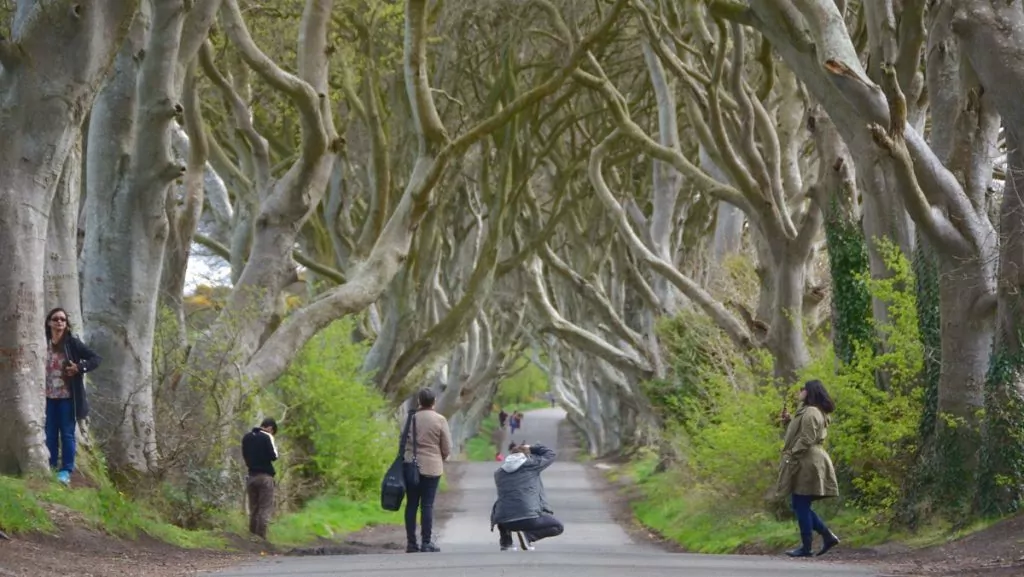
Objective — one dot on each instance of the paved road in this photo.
(592, 545)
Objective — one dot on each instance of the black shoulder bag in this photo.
(412, 470)
(393, 487)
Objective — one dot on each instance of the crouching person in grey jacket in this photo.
(521, 504)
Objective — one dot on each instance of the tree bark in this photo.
(667, 181)
(129, 175)
(61, 280)
(991, 36)
(52, 66)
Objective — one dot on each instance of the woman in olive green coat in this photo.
(806, 473)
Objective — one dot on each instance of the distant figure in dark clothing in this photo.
(502, 417)
(260, 452)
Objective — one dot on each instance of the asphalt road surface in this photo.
(593, 545)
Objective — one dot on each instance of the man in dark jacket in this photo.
(521, 504)
(260, 452)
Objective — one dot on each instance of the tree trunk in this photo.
(61, 280)
(786, 339)
(991, 35)
(57, 55)
(666, 180)
(130, 169)
(182, 222)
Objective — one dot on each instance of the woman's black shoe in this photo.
(830, 542)
(412, 548)
(800, 552)
(430, 548)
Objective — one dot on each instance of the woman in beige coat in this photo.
(806, 473)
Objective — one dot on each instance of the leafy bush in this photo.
(337, 432)
(723, 411)
(873, 434)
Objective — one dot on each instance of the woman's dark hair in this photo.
(426, 398)
(818, 397)
(49, 315)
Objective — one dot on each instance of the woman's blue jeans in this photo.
(60, 433)
(808, 520)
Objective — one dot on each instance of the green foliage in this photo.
(328, 517)
(524, 386)
(926, 270)
(682, 397)
(873, 434)
(337, 432)
(1001, 484)
(851, 299)
(722, 409)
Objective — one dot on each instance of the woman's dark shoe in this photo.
(800, 552)
(830, 541)
(412, 548)
(430, 548)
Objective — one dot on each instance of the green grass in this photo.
(20, 511)
(23, 509)
(328, 518)
(480, 447)
(24, 503)
(702, 524)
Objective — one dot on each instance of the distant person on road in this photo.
(259, 452)
(806, 473)
(551, 399)
(432, 445)
(67, 360)
(502, 417)
(521, 504)
(515, 422)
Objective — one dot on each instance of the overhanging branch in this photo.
(224, 252)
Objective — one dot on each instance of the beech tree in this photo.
(45, 100)
(130, 171)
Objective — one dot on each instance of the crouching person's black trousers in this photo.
(533, 529)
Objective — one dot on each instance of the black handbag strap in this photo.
(411, 420)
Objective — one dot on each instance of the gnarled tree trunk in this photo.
(129, 172)
(52, 66)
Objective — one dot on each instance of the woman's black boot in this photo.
(805, 549)
(830, 541)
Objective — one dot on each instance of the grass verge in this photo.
(328, 518)
(700, 522)
(30, 506)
